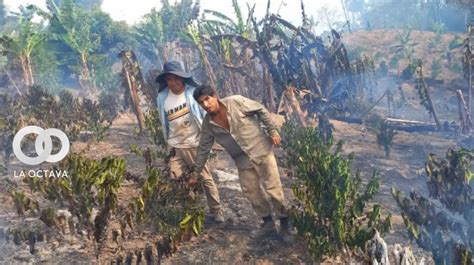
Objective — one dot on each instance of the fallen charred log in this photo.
(410, 126)
(397, 124)
(348, 119)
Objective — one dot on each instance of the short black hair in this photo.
(204, 90)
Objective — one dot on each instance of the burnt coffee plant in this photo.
(385, 138)
(443, 223)
(70, 114)
(87, 201)
(154, 154)
(154, 128)
(91, 185)
(20, 235)
(168, 205)
(331, 208)
(80, 204)
(383, 133)
(9, 122)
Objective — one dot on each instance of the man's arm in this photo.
(254, 107)
(205, 145)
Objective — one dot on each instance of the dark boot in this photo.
(267, 228)
(218, 217)
(285, 231)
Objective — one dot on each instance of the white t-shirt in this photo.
(183, 130)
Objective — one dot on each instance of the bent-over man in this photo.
(235, 122)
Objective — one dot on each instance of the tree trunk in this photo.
(25, 67)
(132, 73)
(433, 111)
(469, 82)
(136, 101)
(423, 86)
(469, 64)
(328, 20)
(410, 126)
(292, 106)
(267, 79)
(209, 71)
(348, 23)
(464, 115)
(85, 74)
(462, 120)
(30, 70)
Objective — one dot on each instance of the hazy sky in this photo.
(132, 11)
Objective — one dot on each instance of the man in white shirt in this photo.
(181, 117)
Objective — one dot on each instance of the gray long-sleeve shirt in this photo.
(247, 135)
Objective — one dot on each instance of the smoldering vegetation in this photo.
(391, 67)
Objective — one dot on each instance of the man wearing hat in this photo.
(181, 117)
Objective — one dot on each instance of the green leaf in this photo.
(185, 220)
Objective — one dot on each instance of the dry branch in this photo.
(464, 115)
(290, 104)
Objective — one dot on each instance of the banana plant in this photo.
(197, 39)
(72, 25)
(223, 24)
(161, 28)
(19, 46)
(150, 35)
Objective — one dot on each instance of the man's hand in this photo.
(171, 153)
(192, 179)
(276, 139)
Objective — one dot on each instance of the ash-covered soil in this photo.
(229, 243)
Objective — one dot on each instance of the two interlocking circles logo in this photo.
(43, 145)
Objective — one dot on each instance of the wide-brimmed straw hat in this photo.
(174, 67)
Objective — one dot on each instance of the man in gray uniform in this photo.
(235, 123)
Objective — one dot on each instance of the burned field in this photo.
(375, 159)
